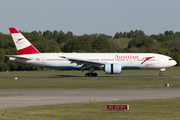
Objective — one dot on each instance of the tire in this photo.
(160, 74)
(91, 75)
(87, 75)
(95, 74)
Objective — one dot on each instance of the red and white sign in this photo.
(117, 107)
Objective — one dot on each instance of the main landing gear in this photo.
(91, 74)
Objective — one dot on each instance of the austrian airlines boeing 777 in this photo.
(111, 63)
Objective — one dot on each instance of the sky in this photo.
(90, 16)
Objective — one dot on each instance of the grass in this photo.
(7, 95)
(157, 109)
(87, 83)
(169, 71)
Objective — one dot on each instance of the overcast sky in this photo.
(90, 16)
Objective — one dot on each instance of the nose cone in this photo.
(175, 62)
(172, 63)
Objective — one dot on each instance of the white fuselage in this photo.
(111, 63)
(127, 60)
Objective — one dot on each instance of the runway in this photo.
(61, 96)
(68, 76)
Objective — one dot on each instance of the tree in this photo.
(138, 33)
(12, 65)
(101, 44)
(131, 34)
(75, 45)
(2, 56)
(124, 35)
(141, 41)
(120, 35)
(48, 34)
(162, 38)
(55, 34)
(4, 67)
(164, 52)
(116, 36)
(61, 37)
(40, 34)
(166, 33)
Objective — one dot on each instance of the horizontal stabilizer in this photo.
(18, 56)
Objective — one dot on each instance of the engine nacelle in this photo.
(113, 68)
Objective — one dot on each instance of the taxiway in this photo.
(61, 96)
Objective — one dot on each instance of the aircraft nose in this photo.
(172, 63)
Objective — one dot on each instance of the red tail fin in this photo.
(22, 44)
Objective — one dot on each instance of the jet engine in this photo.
(113, 68)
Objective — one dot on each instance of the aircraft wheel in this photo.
(91, 75)
(87, 75)
(160, 74)
(95, 75)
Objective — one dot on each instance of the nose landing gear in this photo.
(161, 70)
(160, 74)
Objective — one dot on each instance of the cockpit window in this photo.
(170, 59)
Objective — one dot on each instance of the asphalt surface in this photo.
(67, 76)
(61, 96)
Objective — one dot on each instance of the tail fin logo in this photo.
(19, 40)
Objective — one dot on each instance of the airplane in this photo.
(110, 63)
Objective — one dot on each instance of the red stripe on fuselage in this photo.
(13, 30)
(28, 50)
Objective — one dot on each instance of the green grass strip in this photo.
(88, 83)
(169, 72)
(7, 95)
(156, 109)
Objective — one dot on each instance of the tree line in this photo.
(167, 43)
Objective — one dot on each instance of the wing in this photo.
(85, 63)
